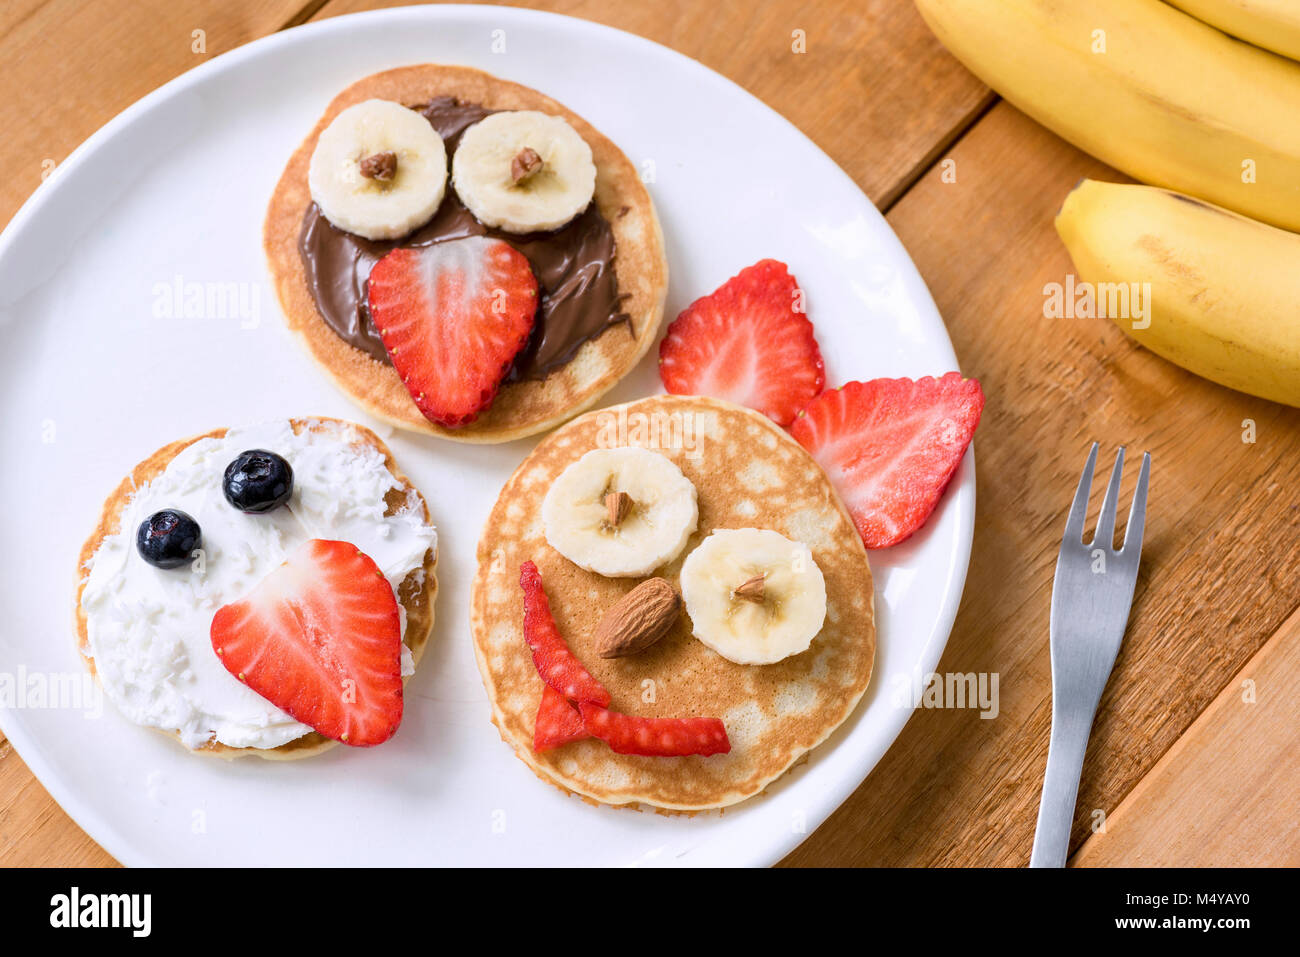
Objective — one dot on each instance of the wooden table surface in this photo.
(1195, 757)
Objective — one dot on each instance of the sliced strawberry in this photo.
(749, 342)
(556, 664)
(320, 638)
(558, 722)
(890, 447)
(655, 737)
(453, 316)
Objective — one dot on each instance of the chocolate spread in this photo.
(573, 264)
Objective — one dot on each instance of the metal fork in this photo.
(1091, 598)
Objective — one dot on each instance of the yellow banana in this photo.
(1147, 89)
(1271, 24)
(1223, 298)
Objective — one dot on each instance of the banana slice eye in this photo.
(523, 171)
(379, 170)
(753, 595)
(620, 512)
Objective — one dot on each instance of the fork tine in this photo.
(1137, 513)
(1079, 510)
(1105, 534)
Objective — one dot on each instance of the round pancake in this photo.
(520, 408)
(414, 595)
(748, 473)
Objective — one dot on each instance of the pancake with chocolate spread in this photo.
(602, 276)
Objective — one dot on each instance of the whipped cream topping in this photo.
(148, 628)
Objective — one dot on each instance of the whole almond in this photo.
(380, 166)
(638, 619)
(617, 505)
(525, 165)
(750, 589)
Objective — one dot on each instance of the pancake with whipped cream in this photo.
(747, 473)
(144, 631)
(602, 277)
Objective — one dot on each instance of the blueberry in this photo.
(257, 481)
(168, 538)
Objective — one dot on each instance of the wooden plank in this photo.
(1224, 794)
(34, 831)
(874, 89)
(70, 67)
(956, 789)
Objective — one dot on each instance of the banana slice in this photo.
(620, 512)
(523, 171)
(379, 170)
(754, 596)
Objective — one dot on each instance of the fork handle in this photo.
(1065, 752)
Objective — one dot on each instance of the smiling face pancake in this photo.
(749, 474)
(416, 593)
(522, 407)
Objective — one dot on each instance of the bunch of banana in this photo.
(1271, 24)
(1176, 103)
(1145, 88)
(1224, 297)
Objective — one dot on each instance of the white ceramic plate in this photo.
(95, 375)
